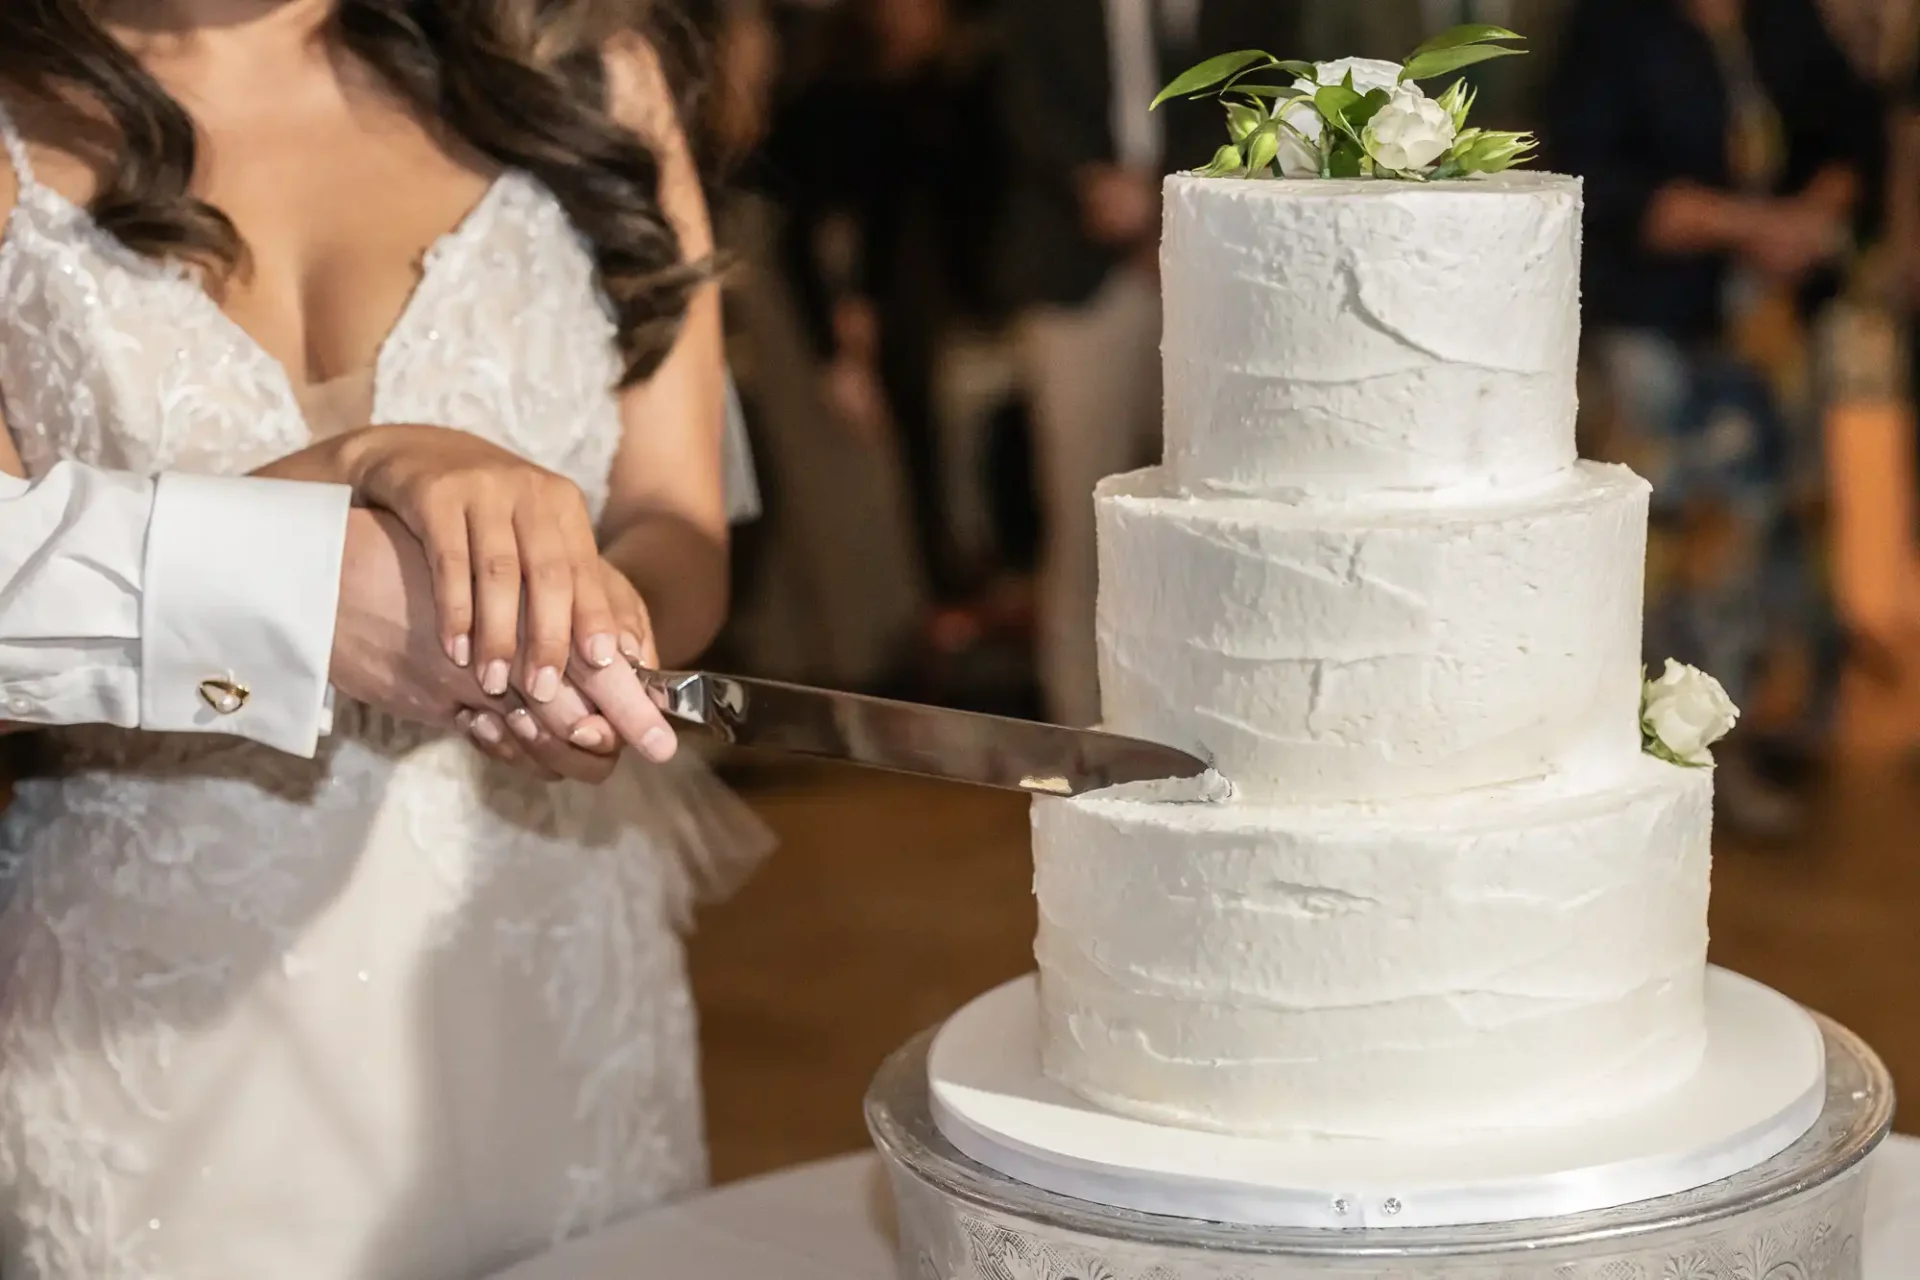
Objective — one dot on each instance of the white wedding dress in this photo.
(391, 1013)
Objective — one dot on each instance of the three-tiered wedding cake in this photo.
(1372, 582)
(1430, 985)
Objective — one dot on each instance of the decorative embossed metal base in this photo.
(1795, 1217)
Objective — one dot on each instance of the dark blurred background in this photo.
(941, 218)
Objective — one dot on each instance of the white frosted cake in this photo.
(1372, 583)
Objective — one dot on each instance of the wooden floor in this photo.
(891, 903)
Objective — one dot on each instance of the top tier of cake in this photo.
(1420, 338)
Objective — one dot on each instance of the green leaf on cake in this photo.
(1269, 91)
(1347, 110)
(1333, 103)
(1438, 63)
(1348, 159)
(1465, 34)
(1358, 117)
(1661, 751)
(1237, 82)
(1213, 72)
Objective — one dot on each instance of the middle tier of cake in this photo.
(1362, 650)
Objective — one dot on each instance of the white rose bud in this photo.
(1684, 713)
(1411, 133)
(1368, 74)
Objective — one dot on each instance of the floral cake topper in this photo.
(1357, 117)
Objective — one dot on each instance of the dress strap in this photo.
(15, 145)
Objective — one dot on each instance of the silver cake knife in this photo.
(907, 737)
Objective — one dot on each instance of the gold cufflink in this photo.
(225, 696)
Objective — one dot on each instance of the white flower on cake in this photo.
(1354, 117)
(1300, 139)
(1368, 74)
(1410, 133)
(1683, 713)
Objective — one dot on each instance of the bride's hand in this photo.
(384, 654)
(617, 692)
(598, 707)
(496, 526)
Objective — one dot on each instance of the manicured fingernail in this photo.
(546, 683)
(658, 744)
(521, 722)
(463, 718)
(487, 729)
(630, 647)
(494, 679)
(588, 738)
(601, 651)
(462, 651)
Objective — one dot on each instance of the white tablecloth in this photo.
(827, 1221)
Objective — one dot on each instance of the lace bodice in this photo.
(122, 361)
(389, 1012)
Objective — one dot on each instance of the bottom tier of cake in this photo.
(1516, 957)
(1758, 1087)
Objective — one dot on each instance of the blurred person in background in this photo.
(1730, 152)
(880, 154)
(824, 591)
(1079, 258)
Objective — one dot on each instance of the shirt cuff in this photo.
(237, 614)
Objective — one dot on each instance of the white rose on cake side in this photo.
(1683, 713)
(1411, 133)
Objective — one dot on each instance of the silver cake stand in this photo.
(1797, 1216)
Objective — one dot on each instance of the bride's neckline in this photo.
(300, 392)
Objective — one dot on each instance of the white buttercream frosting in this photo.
(1359, 651)
(1515, 957)
(1327, 336)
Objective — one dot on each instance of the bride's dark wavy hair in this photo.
(522, 81)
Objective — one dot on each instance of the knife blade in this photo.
(908, 737)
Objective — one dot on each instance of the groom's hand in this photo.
(387, 653)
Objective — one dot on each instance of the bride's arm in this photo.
(665, 526)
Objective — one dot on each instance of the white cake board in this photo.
(1760, 1087)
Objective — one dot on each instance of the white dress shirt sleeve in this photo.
(187, 604)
